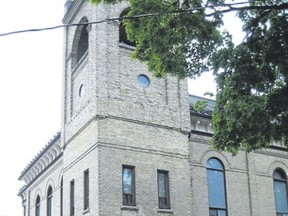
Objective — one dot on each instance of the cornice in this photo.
(42, 160)
(24, 187)
(70, 13)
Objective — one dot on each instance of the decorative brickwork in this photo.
(109, 121)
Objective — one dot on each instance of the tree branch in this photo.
(283, 6)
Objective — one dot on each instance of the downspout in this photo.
(249, 184)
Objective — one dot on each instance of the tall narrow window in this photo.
(72, 197)
(163, 190)
(86, 189)
(49, 201)
(128, 181)
(80, 42)
(280, 193)
(83, 43)
(61, 197)
(37, 206)
(122, 31)
(216, 188)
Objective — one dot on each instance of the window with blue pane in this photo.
(128, 182)
(280, 193)
(216, 188)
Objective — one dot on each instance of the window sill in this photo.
(124, 45)
(75, 69)
(167, 211)
(86, 211)
(130, 208)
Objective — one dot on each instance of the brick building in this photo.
(130, 144)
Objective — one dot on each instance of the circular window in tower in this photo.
(143, 80)
(81, 90)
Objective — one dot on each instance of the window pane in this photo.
(37, 213)
(122, 31)
(280, 192)
(72, 191)
(49, 202)
(214, 163)
(128, 175)
(163, 190)
(143, 80)
(216, 189)
(49, 207)
(212, 212)
(221, 213)
(61, 197)
(83, 43)
(279, 175)
(161, 184)
(86, 189)
(127, 181)
(37, 210)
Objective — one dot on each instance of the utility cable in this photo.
(190, 10)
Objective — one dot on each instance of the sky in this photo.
(30, 89)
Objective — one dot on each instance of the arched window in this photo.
(49, 201)
(80, 42)
(216, 188)
(61, 197)
(122, 31)
(37, 206)
(280, 192)
(83, 43)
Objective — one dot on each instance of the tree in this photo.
(183, 38)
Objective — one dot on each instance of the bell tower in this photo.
(117, 118)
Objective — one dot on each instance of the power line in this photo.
(101, 21)
(190, 10)
(113, 19)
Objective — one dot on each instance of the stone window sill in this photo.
(86, 211)
(167, 211)
(130, 208)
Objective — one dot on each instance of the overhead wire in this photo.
(109, 19)
(125, 17)
(101, 21)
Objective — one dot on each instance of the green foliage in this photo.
(200, 106)
(252, 104)
(167, 40)
(183, 39)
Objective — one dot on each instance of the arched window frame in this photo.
(37, 206)
(123, 38)
(217, 170)
(49, 201)
(80, 43)
(280, 192)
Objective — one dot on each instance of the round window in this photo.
(143, 80)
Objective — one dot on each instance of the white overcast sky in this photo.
(30, 89)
